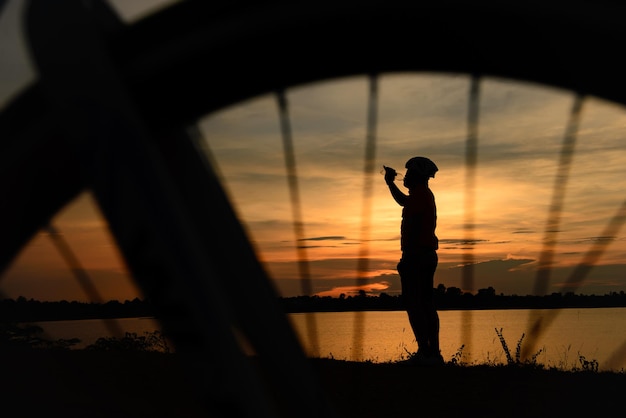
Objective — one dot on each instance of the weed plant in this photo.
(517, 360)
(30, 336)
(150, 341)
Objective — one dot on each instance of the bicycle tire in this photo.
(176, 49)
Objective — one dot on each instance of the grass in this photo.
(514, 388)
(396, 390)
(123, 378)
(514, 359)
(151, 384)
(94, 383)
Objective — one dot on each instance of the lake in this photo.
(597, 334)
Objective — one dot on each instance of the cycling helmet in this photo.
(422, 166)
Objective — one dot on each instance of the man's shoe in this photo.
(432, 360)
(423, 359)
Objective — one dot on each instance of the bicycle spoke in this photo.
(81, 276)
(537, 320)
(471, 158)
(296, 211)
(558, 195)
(616, 359)
(366, 210)
(576, 279)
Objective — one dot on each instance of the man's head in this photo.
(419, 170)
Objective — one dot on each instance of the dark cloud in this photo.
(315, 246)
(324, 238)
(333, 273)
(461, 244)
(454, 241)
(594, 240)
(327, 238)
(600, 279)
(329, 267)
(508, 276)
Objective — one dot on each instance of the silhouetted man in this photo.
(419, 260)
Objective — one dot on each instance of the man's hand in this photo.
(390, 174)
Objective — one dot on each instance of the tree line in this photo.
(451, 298)
(30, 310)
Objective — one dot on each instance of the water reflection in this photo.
(593, 333)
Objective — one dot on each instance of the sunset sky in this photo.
(521, 129)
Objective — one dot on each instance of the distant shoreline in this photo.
(23, 310)
(445, 301)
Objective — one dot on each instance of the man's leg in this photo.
(428, 266)
(410, 299)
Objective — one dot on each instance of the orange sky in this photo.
(40, 272)
(521, 128)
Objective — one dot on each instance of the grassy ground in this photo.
(395, 390)
(101, 384)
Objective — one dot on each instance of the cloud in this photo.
(594, 240)
(327, 238)
(370, 288)
(330, 268)
(505, 275)
(508, 275)
(384, 283)
(460, 241)
(460, 244)
(329, 274)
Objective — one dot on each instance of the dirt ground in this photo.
(100, 384)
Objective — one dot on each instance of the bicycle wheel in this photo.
(377, 39)
(135, 153)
